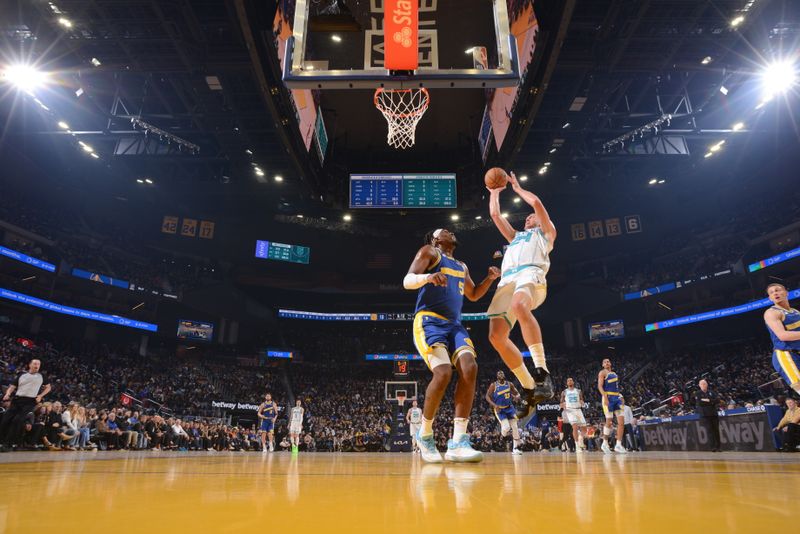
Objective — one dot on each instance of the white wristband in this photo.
(415, 281)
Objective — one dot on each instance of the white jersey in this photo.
(415, 416)
(297, 416)
(572, 399)
(529, 252)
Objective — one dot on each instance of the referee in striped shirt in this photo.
(28, 391)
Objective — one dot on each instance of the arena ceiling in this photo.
(204, 72)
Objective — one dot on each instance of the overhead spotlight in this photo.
(96, 62)
(454, 217)
(553, 150)
(336, 39)
(778, 78)
(516, 200)
(469, 50)
(347, 217)
(523, 178)
(478, 217)
(94, 155)
(542, 170)
(737, 127)
(278, 178)
(708, 155)
(706, 60)
(148, 181)
(259, 172)
(63, 125)
(724, 90)
(737, 21)
(24, 77)
(547, 164)
(299, 215)
(87, 148)
(653, 181)
(139, 181)
(661, 181)
(566, 125)
(248, 152)
(717, 147)
(65, 22)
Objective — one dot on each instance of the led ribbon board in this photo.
(715, 314)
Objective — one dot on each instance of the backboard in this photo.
(340, 44)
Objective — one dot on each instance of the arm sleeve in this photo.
(415, 281)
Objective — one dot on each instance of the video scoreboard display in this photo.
(270, 250)
(402, 190)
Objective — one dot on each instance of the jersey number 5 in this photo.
(461, 287)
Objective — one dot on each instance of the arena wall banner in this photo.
(745, 429)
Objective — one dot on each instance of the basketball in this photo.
(495, 177)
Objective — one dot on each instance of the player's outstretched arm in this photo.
(536, 203)
(416, 277)
(515, 394)
(563, 400)
(473, 292)
(774, 322)
(494, 211)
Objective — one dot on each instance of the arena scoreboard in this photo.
(402, 190)
(270, 250)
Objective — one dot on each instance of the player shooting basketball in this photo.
(522, 289)
(442, 341)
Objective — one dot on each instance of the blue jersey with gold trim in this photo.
(611, 383)
(791, 322)
(502, 394)
(269, 410)
(446, 301)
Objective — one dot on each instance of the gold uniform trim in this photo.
(788, 366)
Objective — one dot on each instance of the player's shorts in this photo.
(787, 363)
(267, 425)
(414, 429)
(505, 413)
(575, 416)
(296, 428)
(614, 406)
(431, 329)
(529, 280)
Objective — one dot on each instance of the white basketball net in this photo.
(402, 109)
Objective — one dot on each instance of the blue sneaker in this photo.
(427, 449)
(462, 451)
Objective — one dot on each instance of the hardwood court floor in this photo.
(250, 492)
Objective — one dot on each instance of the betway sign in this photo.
(748, 432)
(234, 405)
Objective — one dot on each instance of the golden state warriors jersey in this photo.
(791, 322)
(446, 301)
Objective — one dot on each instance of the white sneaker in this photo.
(272, 448)
(620, 448)
(605, 448)
(462, 451)
(263, 450)
(516, 452)
(427, 449)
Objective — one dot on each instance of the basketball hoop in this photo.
(401, 399)
(402, 109)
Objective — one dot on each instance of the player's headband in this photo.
(437, 233)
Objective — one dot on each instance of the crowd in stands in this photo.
(114, 399)
(708, 246)
(117, 252)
